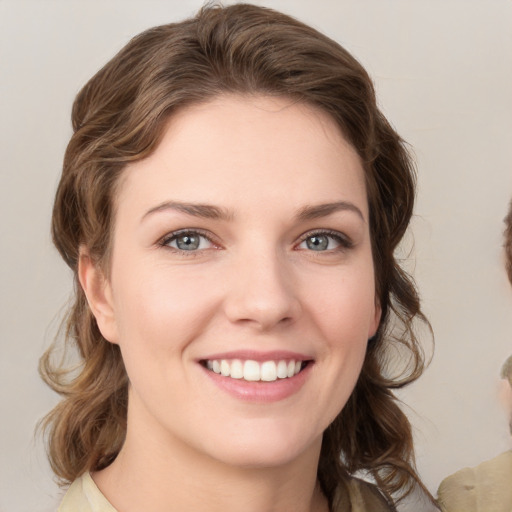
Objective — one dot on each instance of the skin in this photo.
(255, 285)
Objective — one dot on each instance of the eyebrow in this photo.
(323, 210)
(205, 211)
(208, 211)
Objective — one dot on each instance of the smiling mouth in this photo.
(254, 371)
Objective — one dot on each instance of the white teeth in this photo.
(237, 369)
(253, 371)
(268, 371)
(224, 368)
(282, 370)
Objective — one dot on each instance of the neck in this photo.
(159, 473)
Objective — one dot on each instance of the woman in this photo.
(230, 202)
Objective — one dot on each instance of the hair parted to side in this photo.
(119, 116)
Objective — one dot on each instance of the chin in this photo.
(265, 448)
(257, 459)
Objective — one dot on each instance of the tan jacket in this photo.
(484, 488)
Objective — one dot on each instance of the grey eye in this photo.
(327, 241)
(317, 242)
(188, 242)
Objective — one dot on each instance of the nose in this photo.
(263, 293)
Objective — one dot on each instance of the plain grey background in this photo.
(443, 72)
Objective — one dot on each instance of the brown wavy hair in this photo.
(119, 116)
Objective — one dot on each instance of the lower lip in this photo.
(260, 391)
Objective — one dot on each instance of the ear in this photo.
(98, 291)
(375, 321)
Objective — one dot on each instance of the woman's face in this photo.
(242, 246)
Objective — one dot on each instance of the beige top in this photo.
(484, 488)
(84, 496)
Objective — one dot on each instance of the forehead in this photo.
(249, 147)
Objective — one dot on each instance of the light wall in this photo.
(443, 71)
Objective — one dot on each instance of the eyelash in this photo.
(170, 237)
(343, 241)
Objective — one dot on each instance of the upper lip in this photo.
(254, 355)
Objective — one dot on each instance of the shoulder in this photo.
(84, 496)
(360, 496)
(488, 483)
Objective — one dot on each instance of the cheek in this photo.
(161, 310)
(344, 306)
